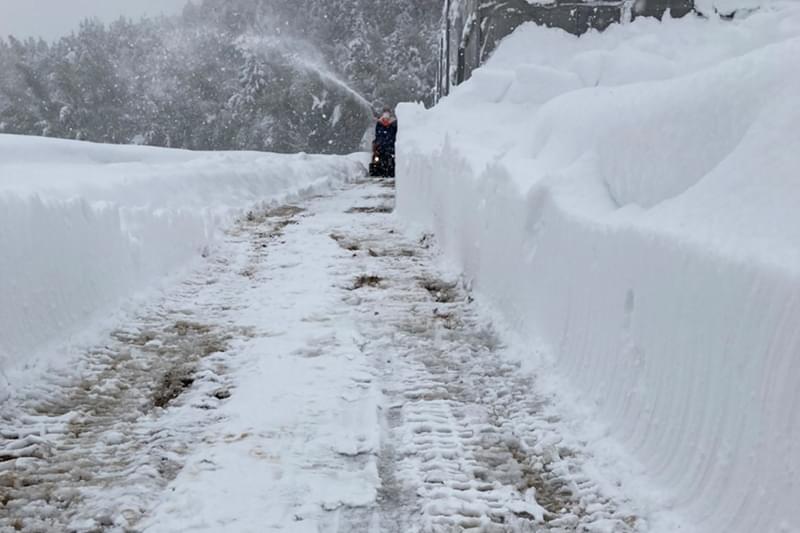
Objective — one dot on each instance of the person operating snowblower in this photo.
(383, 159)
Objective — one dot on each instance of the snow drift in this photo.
(630, 199)
(83, 226)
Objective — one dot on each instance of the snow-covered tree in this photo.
(285, 75)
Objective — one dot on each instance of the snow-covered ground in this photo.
(253, 342)
(318, 372)
(628, 201)
(84, 227)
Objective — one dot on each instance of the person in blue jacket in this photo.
(383, 147)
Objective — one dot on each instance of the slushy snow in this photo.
(629, 201)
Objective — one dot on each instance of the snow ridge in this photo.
(84, 227)
(627, 199)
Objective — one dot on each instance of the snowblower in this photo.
(382, 163)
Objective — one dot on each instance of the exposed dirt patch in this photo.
(179, 347)
(274, 221)
(198, 339)
(391, 252)
(354, 245)
(260, 216)
(441, 291)
(172, 385)
(372, 209)
(285, 211)
(282, 224)
(367, 281)
(506, 460)
(222, 394)
(185, 327)
(276, 231)
(348, 244)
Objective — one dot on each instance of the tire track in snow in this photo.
(468, 444)
(90, 450)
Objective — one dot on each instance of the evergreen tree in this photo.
(282, 75)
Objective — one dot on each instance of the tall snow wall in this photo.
(84, 226)
(629, 199)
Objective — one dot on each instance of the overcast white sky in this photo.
(53, 18)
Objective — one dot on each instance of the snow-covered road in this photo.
(320, 373)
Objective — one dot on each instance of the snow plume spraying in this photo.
(286, 79)
(301, 55)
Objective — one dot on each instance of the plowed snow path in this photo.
(321, 374)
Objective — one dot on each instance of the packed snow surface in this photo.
(83, 226)
(317, 372)
(629, 200)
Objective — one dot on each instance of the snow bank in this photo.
(83, 226)
(630, 199)
(731, 7)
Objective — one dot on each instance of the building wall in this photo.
(472, 29)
